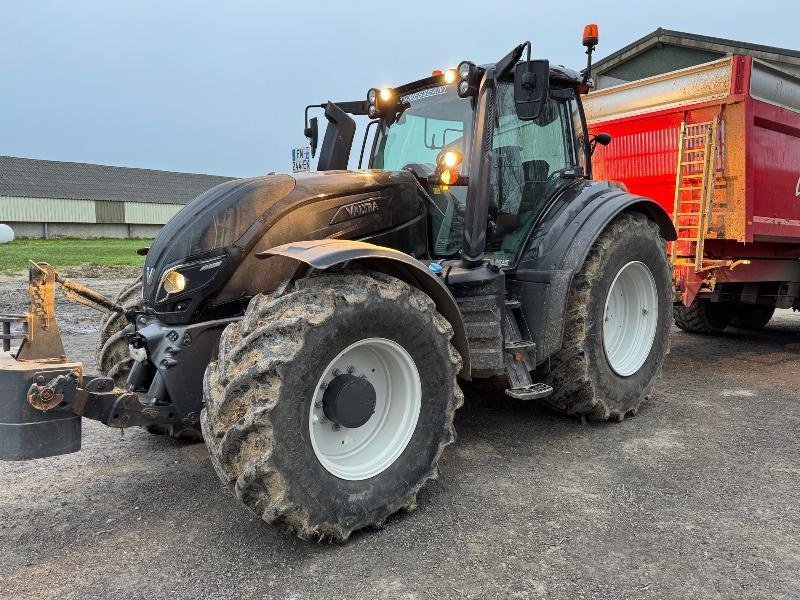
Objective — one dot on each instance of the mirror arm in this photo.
(505, 64)
(364, 143)
(308, 132)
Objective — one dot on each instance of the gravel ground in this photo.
(696, 497)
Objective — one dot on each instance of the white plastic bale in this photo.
(6, 234)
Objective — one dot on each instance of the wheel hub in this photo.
(364, 409)
(349, 401)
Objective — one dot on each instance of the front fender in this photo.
(328, 253)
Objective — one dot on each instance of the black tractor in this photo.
(313, 328)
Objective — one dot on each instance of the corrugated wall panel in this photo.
(143, 213)
(109, 212)
(46, 210)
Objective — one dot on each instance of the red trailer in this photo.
(718, 146)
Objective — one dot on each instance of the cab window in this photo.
(529, 158)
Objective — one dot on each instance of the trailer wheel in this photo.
(703, 316)
(329, 406)
(752, 316)
(113, 359)
(616, 331)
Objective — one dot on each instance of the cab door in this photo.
(531, 161)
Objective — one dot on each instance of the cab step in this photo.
(533, 391)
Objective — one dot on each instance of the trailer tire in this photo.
(262, 402)
(703, 316)
(594, 376)
(752, 316)
(113, 359)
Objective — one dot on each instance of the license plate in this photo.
(301, 159)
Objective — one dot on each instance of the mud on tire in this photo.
(583, 381)
(258, 398)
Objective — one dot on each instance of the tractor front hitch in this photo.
(98, 400)
(42, 395)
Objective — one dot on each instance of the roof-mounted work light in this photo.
(468, 78)
(379, 100)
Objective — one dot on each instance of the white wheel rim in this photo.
(630, 318)
(363, 452)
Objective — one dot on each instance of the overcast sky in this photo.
(220, 87)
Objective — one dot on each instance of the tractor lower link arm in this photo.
(98, 400)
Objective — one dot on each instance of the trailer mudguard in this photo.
(328, 253)
(558, 246)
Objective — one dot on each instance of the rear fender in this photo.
(328, 253)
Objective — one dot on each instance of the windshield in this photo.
(436, 119)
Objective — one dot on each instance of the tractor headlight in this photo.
(182, 279)
(174, 282)
(450, 76)
(372, 95)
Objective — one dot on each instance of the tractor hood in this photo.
(205, 255)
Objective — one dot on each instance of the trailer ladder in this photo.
(694, 192)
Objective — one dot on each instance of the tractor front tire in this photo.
(114, 359)
(616, 330)
(292, 445)
(752, 316)
(703, 316)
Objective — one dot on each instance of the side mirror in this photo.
(531, 85)
(604, 139)
(312, 133)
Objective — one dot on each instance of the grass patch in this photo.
(66, 253)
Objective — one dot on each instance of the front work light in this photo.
(449, 176)
(174, 282)
(451, 159)
(450, 76)
(379, 101)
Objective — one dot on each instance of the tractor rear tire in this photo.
(752, 316)
(703, 316)
(266, 420)
(114, 360)
(608, 366)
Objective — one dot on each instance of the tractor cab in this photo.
(503, 139)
